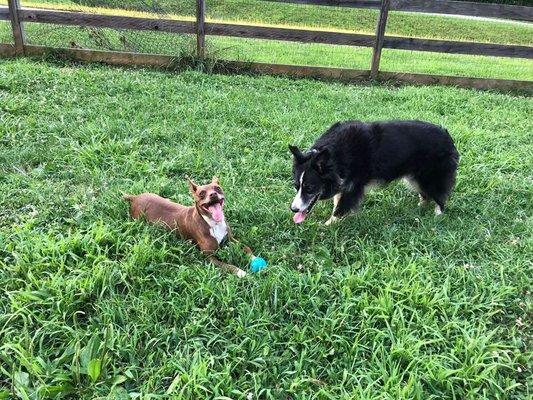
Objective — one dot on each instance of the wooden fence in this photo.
(18, 16)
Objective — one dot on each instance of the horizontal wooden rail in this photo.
(520, 13)
(335, 3)
(448, 46)
(342, 74)
(7, 50)
(272, 33)
(106, 21)
(4, 13)
(289, 34)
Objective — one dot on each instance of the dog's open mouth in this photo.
(300, 216)
(215, 209)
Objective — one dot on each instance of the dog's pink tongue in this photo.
(299, 217)
(216, 212)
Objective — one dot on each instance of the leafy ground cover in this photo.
(392, 303)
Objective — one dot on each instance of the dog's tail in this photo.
(228, 267)
(128, 197)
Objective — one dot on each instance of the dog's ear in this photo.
(321, 160)
(215, 181)
(192, 185)
(299, 157)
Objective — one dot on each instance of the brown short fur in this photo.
(187, 221)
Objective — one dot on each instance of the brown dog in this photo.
(203, 223)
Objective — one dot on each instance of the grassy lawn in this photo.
(392, 303)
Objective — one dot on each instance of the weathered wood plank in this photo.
(274, 33)
(289, 34)
(446, 46)
(380, 34)
(200, 29)
(458, 81)
(106, 21)
(7, 50)
(297, 71)
(342, 74)
(4, 13)
(16, 25)
(336, 3)
(350, 75)
(104, 56)
(520, 13)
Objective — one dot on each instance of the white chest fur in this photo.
(219, 230)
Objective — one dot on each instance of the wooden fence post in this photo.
(16, 26)
(380, 36)
(200, 29)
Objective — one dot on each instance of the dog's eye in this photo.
(218, 189)
(308, 189)
(202, 194)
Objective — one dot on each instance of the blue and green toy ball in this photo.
(257, 264)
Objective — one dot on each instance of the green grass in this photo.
(356, 20)
(392, 303)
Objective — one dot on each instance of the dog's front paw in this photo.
(331, 220)
(240, 273)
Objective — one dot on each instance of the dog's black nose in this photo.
(213, 196)
(294, 209)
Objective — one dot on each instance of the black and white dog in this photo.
(353, 155)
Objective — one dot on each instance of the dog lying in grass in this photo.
(352, 156)
(203, 223)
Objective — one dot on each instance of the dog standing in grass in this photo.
(203, 223)
(352, 156)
